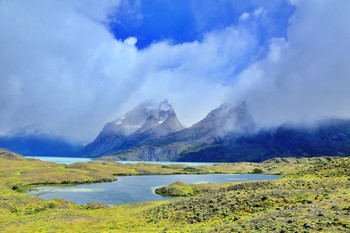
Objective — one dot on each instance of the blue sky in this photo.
(190, 20)
(72, 66)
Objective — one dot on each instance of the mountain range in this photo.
(228, 134)
(152, 132)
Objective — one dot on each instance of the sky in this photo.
(71, 66)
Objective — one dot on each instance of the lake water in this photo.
(131, 189)
(61, 160)
(70, 160)
(167, 163)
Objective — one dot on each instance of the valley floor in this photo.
(312, 196)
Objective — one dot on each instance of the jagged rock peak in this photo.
(134, 120)
(227, 118)
(170, 125)
(165, 106)
(150, 124)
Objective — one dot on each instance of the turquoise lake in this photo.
(70, 160)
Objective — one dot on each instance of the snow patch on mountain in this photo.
(165, 106)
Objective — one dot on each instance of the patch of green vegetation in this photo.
(180, 189)
(312, 196)
(308, 200)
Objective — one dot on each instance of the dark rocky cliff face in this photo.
(327, 138)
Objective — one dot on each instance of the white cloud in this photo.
(244, 16)
(306, 78)
(255, 13)
(96, 10)
(62, 69)
(259, 11)
(191, 75)
(131, 41)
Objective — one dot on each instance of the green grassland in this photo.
(312, 196)
(312, 199)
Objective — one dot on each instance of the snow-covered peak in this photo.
(165, 106)
(137, 117)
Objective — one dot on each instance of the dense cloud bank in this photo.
(63, 69)
(306, 76)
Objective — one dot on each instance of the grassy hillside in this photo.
(307, 200)
(313, 196)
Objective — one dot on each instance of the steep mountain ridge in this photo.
(146, 121)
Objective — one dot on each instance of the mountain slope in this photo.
(218, 122)
(331, 137)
